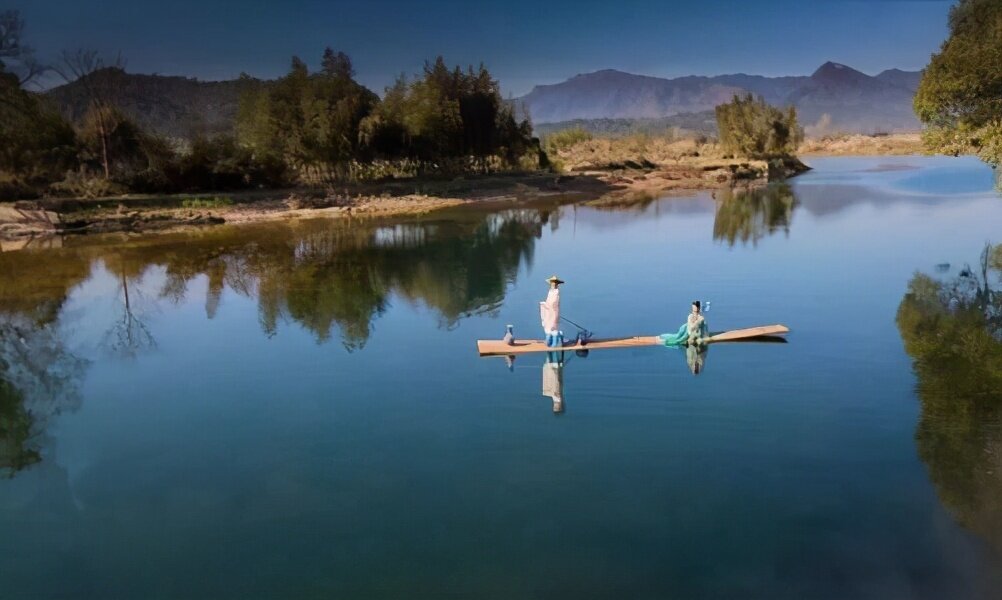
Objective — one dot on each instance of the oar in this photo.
(587, 332)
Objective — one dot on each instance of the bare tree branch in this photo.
(87, 68)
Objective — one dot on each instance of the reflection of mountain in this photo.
(953, 332)
(750, 214)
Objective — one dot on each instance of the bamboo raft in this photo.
(766, 333)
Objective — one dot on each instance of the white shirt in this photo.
(549, 311)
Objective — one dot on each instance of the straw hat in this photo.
(555, 279)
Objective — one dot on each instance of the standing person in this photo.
(549, 314)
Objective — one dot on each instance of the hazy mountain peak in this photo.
(906, 79)
(852, 100)
(833, 72)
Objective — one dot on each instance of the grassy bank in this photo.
(604, 170)
(864, 145)
(585, 169)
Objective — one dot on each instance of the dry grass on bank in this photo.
(598, 153)
(864, 145)
(637, 151)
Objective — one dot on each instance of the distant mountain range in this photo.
(853, 101)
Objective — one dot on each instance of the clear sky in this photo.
(523, 42)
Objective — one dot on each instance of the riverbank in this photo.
(616, 178)
(894, 144)
(604, 171)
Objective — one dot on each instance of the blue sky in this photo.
(523, 42)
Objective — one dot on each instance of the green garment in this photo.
(682, 337)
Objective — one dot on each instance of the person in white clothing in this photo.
(549, 314)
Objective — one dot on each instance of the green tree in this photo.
(36, 143)
(312, 122)
(337, 65)
(449, 119)
(98, 79)
(960, 95)
(751, 127)
(384, 133)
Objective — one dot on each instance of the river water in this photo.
(297, 410)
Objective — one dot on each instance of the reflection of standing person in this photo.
(549, 314)
(553, 380)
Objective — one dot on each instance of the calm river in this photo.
(298, 410)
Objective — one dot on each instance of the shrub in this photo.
(750, 127)
(15, 188)
(562, 140)
(86, 185)
(220, 163)
(211, 202)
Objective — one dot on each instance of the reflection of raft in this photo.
(767, 333)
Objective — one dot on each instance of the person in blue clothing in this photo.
(694, 331)
(695, 324)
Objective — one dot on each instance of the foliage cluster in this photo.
(313, 128)
(751, 127)
(960, 95)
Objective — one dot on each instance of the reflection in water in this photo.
(129, 335)
(695, 357)
(553, 380)
(16, 450)
(324, 275)
(320, 274)
(750, 214)
(39, 378)
(953, 332)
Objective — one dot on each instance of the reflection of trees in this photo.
(953, 333)
(328, 275)
(36, 283)
(344, 276)
(750, 214)
(39, 378)
(16, 451)
(324, 275)
(461, 274)
(128, 334)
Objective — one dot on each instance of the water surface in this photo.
(298, 410)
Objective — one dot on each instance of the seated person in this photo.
(693, 331)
